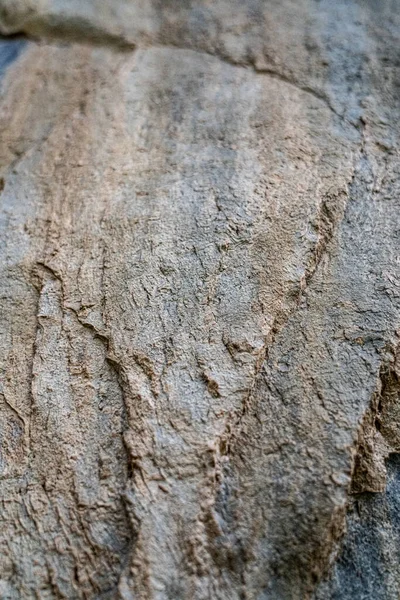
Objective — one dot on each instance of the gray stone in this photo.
(199, 291)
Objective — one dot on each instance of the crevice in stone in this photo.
(79, 30)
(261, 71)
(321, 96)
(118, 371)
(379, 433)
(66, 29)
(331, 212)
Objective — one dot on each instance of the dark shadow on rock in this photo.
(368, 567)
(10, 49)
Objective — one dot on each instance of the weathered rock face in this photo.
(200, 309)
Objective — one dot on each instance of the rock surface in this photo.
(200, 299)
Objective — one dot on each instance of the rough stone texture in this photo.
(200, 309)
(368, 566)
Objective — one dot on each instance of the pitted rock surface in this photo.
(200, 307)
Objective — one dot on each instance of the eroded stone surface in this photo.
(199, 288)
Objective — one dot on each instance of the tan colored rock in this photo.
(199, 296)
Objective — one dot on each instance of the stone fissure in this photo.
(379, 433)
(102, 38)
(48, 271)
(331, 212)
